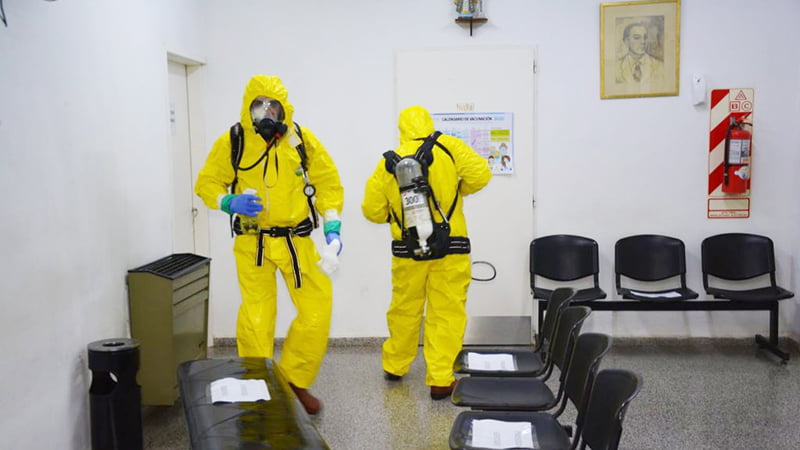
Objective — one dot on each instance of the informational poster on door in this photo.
(490, 134)
(730, 153)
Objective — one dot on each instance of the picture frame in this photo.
(639, 49)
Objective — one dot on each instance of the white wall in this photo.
(84, 168)
(794, 187)
(84, 159)
(604, 168)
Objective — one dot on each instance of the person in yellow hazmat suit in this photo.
(273, 177)
(419, 190)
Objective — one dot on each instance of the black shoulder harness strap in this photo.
(301, 147)
(424, 155)
(237, 147)
(391, 158)
(301, 150)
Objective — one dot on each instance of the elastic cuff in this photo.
(333, 226)
(225, 203)
(219, 200)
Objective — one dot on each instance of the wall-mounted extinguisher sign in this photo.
(730, 153)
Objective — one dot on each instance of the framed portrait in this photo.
(639, 49)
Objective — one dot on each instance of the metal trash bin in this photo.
(115, 400)
(168, 301)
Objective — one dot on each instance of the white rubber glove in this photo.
(329, 261)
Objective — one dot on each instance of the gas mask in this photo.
(268, 118)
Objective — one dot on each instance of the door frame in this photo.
(197, 146)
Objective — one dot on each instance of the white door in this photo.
(182, 189)
(500, 217)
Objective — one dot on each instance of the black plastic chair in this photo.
(599, 422)
(528, 362)
(613, 391)
(589, 350)
(528, 393)
(565, 258)
(652, 259)
(739, 259)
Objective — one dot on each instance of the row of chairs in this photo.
(518, 396)
(650, 259)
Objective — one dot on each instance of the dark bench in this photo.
(734, 260)
(770, 343)
(280, 422)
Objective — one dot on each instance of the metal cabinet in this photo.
(168, 301)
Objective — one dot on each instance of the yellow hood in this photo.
(267, 86)
(414, 122)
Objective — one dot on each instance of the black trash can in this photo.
(115, 401)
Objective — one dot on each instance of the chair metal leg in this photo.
(771, 344)
(540, 312)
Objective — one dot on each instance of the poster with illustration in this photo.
(490, 134)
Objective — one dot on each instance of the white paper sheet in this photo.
(493, 361)
(671, 294)
(490, 433)
(236, 390)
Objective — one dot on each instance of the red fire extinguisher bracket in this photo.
(730, 152)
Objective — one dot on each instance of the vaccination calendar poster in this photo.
(489, 134)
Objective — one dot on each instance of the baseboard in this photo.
(791, 344)
(224, 342)
(787, 343)
(332, 342)
(794, 342)
(494, 331)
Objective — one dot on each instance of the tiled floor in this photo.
(697, 394)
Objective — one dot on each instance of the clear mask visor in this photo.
(266, 108)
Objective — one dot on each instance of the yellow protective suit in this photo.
(280, 186)
(440, 285)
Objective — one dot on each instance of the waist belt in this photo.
(302, 229)
(457, 245)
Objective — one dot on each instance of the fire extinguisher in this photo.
(736, 173)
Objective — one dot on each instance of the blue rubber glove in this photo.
(246, 205)
(331, 237)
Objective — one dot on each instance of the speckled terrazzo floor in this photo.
(697, 394)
